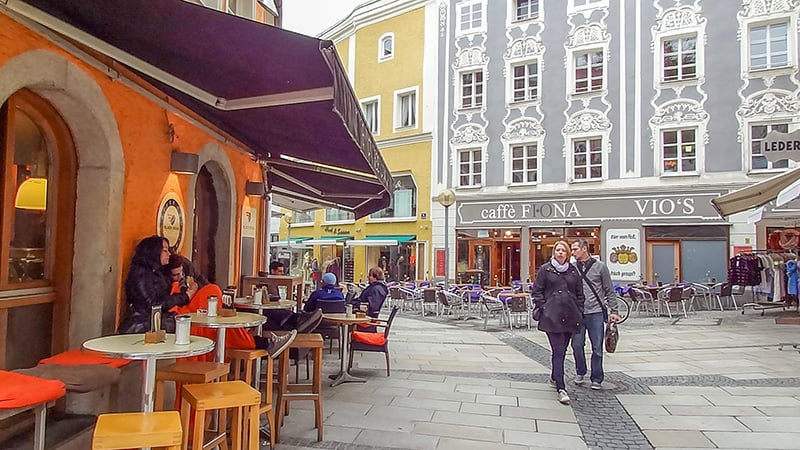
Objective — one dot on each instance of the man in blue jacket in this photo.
(327, 297)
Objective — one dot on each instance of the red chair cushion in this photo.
(376, 339)
(18, 391)
(76, 357)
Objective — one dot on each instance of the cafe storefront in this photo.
(640, 236)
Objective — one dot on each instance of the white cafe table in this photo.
(247, 304)
(132, 346)
(345, 321)
(240, 320)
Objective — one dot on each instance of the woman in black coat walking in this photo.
(558, 299)
(148, 285)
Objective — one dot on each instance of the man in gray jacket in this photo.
(600, 294)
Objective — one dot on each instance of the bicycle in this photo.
(624, 308)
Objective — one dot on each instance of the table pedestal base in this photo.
(345, 377)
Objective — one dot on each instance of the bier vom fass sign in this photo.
(668, 206)
(777, 146)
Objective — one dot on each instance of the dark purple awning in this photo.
(277, 92)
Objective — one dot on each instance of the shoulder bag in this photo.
(591, 287)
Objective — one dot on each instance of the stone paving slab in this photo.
(678, 439)
(754, 440)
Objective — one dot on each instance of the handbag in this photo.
(612, 337)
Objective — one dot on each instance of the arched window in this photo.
(36, 229)
(386, 47)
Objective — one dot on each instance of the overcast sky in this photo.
(314, 16)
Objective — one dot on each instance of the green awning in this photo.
(327, 240)
(293, 242)
(381, 240)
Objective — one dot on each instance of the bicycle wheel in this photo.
(624, 308)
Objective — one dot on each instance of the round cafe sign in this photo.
(171, 220)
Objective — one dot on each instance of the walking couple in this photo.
(570, 299)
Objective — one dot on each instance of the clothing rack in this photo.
(763, 306)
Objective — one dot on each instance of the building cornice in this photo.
(405, 140)
(367, 13)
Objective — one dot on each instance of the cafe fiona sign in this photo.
(623, 254)
(171, 219)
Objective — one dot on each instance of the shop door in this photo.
(507, 258)
(663, 265)
(480, 262)
(37, 196)
(540, 254)
(206, 220)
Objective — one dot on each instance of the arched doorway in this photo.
(36, 229)
(211, 236)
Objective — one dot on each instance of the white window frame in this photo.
(386, 37)
(398, 94)
(510, 159)
(768, 26)
(471, 4)
(478, 101)
(376, 100)
(336, 222)
(791, 44)
(603, 137)
(699, 72)
(514, 7)
(299, 214)
(793, 125)
(588, 5)
(589, 51)
(457, 166)
(510, 86)
(698, 147)
(415, 201)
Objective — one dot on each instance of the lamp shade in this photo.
(32, 194)
(185, 163)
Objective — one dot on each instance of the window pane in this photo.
(687, 136)
(29, 217)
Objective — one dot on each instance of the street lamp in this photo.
(446, 198)
(289, 218)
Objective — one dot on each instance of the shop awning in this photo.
(328, 240)
(293, 242)
(381, 240)
(278, 93)
(755, 195)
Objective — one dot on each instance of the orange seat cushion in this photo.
(18, 391)
(76, 357)
(376, 339)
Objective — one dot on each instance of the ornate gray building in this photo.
(613, 120)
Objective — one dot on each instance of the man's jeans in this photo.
(593, 323)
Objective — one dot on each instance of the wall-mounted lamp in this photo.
(32, 194)
(184, 163)
(254, 189)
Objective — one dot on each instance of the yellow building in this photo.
(383, 46)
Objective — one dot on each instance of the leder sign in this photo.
(777, 146)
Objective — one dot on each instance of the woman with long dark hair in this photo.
(557, 295)
(148, 284)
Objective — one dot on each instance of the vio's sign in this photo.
(777, 146)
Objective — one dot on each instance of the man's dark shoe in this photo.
(277, 343)
(308, 322)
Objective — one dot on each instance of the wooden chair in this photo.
(198, 399)
(187, 372)
(363, 341)
(242, 362)
(288, 392)
(135, 430)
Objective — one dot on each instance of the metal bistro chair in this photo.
(724, 291)
(676, 294)
(639, 298)
(493, 306)
(519, 307)
(452, 303)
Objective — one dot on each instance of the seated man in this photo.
(327, 297)
(373, 295)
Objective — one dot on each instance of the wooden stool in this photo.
(242, 360)
(238, 395)
(136, 430)
(187, 372)
(308, 391)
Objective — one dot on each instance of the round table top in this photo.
(132, 346)
(343, 318)
(247, 303)
(240, 320)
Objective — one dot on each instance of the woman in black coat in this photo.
(557, 295)
(148, 284)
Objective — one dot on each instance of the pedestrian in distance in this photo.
(558, 299)
(601, 298)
